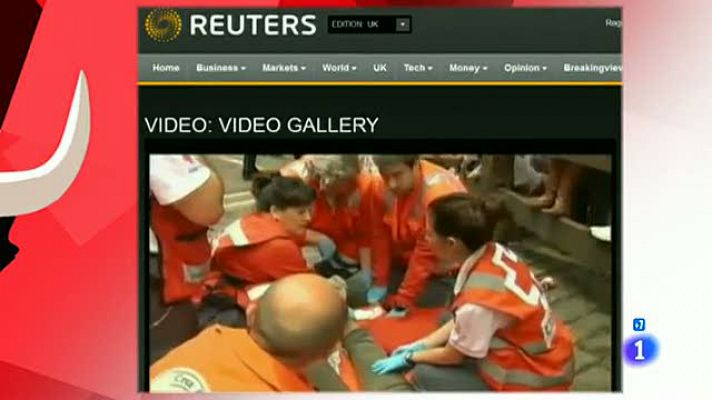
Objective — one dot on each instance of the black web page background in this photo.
(413, 120)
(472, 112)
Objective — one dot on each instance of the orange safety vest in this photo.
(535, 353)
(184, 252)
(257, 250)
(406, 217)
(348, 224)
(252, 229)
(222, 359)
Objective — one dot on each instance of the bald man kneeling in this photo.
(298, 322)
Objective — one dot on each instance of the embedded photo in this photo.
(380, 272)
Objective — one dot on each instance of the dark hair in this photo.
(271, 189)
(260, 180)
(467, 217)
(387, 160)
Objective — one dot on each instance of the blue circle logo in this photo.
(640, 350)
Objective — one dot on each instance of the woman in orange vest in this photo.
(264, 246)
(342, 211)
(407, 188)
(503, 335)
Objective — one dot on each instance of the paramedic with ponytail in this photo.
(503, 335)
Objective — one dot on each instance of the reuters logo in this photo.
(163, 24)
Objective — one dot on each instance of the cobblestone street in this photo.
(583, 302)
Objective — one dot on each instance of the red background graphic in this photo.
(69, 300)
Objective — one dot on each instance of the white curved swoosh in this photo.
(23, 192)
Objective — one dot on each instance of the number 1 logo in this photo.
(640, 350)
(639, 355)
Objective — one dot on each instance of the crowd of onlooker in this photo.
(576, 187)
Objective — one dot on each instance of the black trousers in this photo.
(221, 310)
(437, 293)
(169, 325)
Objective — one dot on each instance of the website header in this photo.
(387, 30)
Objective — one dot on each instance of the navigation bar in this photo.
(380, 67)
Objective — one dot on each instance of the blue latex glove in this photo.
(391, 364)
(326, 247)
(376, 294)
(414, 347)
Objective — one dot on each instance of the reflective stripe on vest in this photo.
(236, 234)
(479, 280)
(534, 348)
(523, 378)
(439, 178)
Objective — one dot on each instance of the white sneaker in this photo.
(602, 233)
